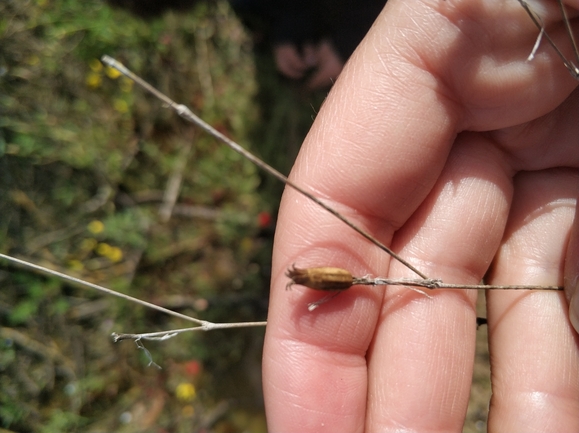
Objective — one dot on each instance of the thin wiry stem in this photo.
(204, 324)
(340, 280)
(188, 115)
(165, 335)
(571, 67)
(426, 282)
(439, 284)
(569, 31)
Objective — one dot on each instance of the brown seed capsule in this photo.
(320, 278)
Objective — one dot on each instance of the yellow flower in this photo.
(75, 265)
(112, 73)
(95, 65)
(93, 80)
(103, 249)
(95, 227)
(121, 106)
(185, 391)
(115, 254)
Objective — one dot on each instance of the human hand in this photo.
(290, 62)
(322, 57)
(328, 66)
(441, 140)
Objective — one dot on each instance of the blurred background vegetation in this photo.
(100, 181)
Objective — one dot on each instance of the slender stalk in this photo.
(571, 67)
(165, 335)
(439, 284)
(425, 282)
(188, 115)
(204, 324)
(569, 32)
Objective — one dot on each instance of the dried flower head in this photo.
(325, 278)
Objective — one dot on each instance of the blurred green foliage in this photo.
(86, 161)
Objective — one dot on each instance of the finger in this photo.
(572, 273)
(398, 103)
(422, 354)
(288, 61)
(490, 86)
(324, 77)
(329, 67)
(314, 365)
(550, 141)
(534, 351)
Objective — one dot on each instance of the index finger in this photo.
(315, 372)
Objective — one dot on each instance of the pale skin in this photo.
(443, 141)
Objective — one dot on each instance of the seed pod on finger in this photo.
(325, 278)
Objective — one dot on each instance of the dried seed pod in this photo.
(320, 278)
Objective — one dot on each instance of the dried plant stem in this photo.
(570, 34)
(165, 335)
(439, 284)
(204, 325)
(188, 115)
(571, 67)
(426, 282)
(174, 183)
(337, 279)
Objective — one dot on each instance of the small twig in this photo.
(338, 279)
(571, 67)
(195, 211)
(188, 115)
(432, 284)
(570, 33)
(537, 45)
(166, 335)
(174, 183)
(204, 324)
(100, 288)
(331, 278)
